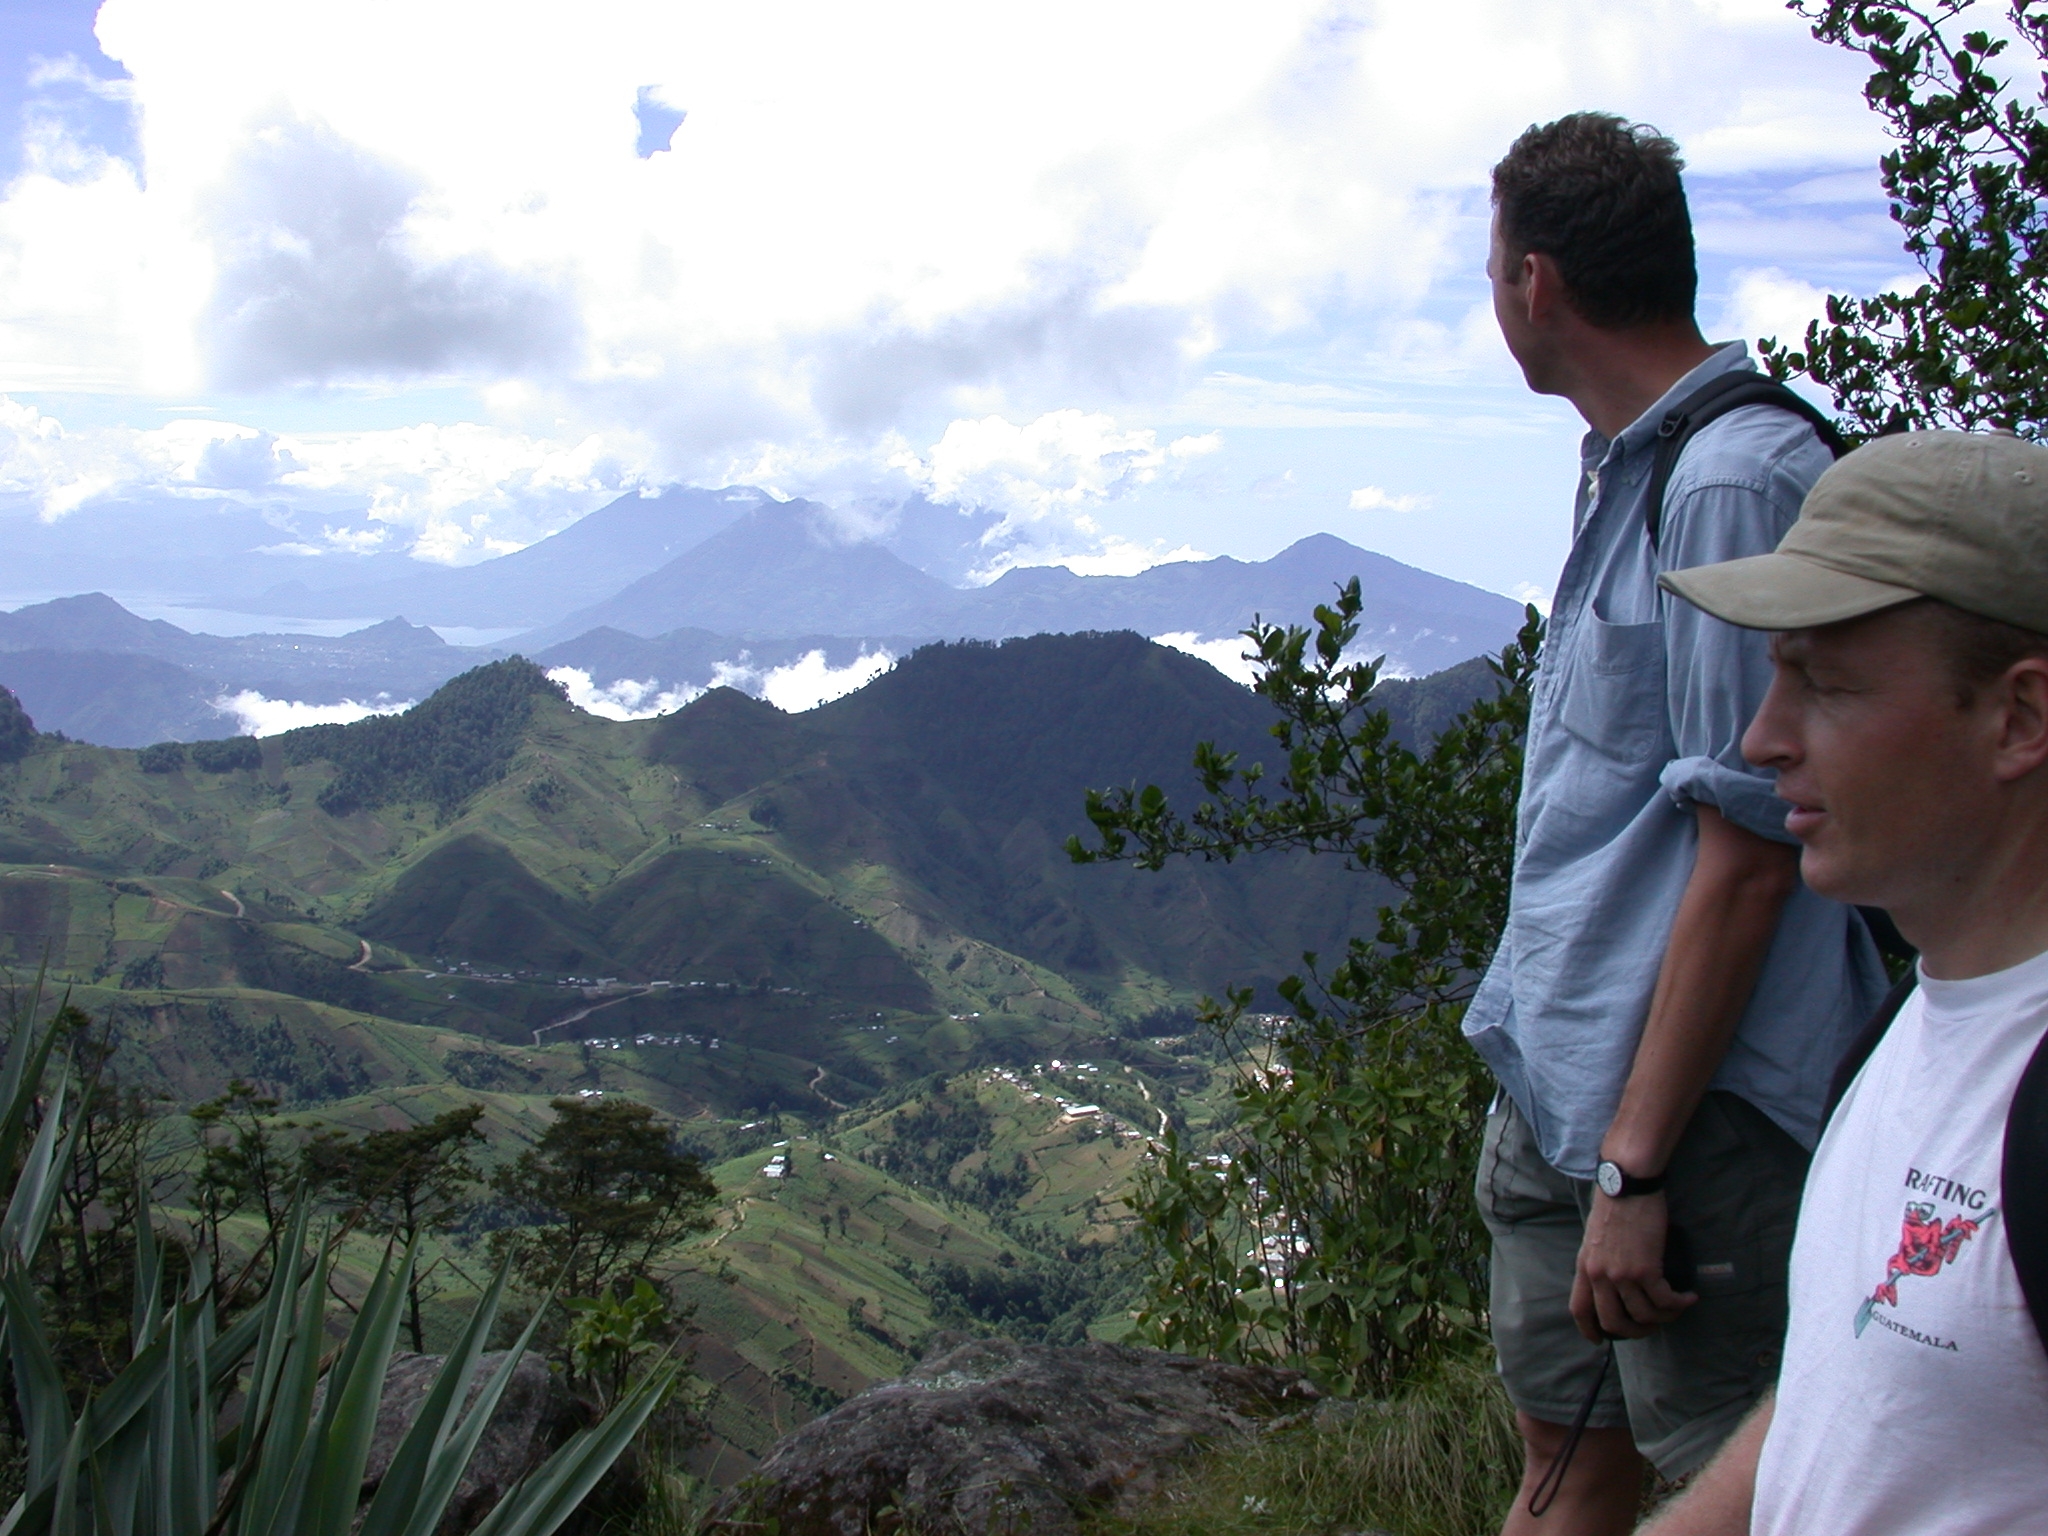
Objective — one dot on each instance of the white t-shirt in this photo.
(1913, 1400)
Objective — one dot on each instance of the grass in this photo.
(1441, 1460)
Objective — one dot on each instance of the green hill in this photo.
(856, 925)
(896, 850)
(986, 1202)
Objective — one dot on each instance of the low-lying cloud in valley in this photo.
(259, 716)
(1230, 655)
(793, 686)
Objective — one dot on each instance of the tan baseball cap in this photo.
(1962, 516)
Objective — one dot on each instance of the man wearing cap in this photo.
(1668, 1001)
(1907, 723)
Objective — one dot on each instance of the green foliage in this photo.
(1968, 184)
(240, 1167)
(17, 731)
(144, 1455)
(1049, 1299)
(227, 755)
(605, 1192)
(930, 1134)
(546, 793)
(608, 1334)
(86, 1266)
(1331, 1226)
(405, 1182)
(164, 757)
(440, 751)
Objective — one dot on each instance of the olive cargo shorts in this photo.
(1734, 1192)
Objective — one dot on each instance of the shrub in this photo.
(17, 731)
(227, 755)
(1331, 1225)
(164, 757)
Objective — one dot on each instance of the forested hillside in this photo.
(853, 930)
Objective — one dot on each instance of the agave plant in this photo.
(144, 1455)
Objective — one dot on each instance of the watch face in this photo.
(1609, 1177)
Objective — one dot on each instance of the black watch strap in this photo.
(1618, 1184)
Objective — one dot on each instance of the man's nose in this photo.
(1769, 741)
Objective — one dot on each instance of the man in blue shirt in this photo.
(1668, 1000)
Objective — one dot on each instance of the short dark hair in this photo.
(1603, 199)
(1979, 651)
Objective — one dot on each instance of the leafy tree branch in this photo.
(1330, 1225)
(1968, 185)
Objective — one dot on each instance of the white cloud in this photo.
(794, 687)
(1245, 400)
(624, 699)
(1227, 656)
(1114, 555)
(1043, 478)
(456, 486)
(260, 716)
(456, 493)
(811, 680)
(863, 215)
(317, 277)
(1371, 498)
(1767, 302)
(1064, 459)
(811, 235)
(1786, 125)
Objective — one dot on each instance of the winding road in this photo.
(817, 1077)
(583, 1013)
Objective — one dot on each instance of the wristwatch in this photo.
(1616, 1185)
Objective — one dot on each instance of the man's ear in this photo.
(1542, 287)
(2022, 746)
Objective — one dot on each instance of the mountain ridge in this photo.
(771, 573)
(739, 582)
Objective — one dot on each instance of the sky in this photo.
(1144, 280)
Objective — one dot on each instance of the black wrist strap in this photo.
(1544, 1494)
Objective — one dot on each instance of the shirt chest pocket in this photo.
(1612, 698)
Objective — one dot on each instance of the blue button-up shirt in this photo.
(1639, 707)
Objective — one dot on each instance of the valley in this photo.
(923, 1054)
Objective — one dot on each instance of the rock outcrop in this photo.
(999, 1437)
(535, 1415)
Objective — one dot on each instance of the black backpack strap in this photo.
(2023, 1182)
(1716, 398)
(1866, 1042)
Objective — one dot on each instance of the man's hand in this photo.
(1723, 929)
(1620, 1291)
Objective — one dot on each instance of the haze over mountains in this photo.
(651, 600)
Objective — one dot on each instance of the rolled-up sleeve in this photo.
(1716, 675)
